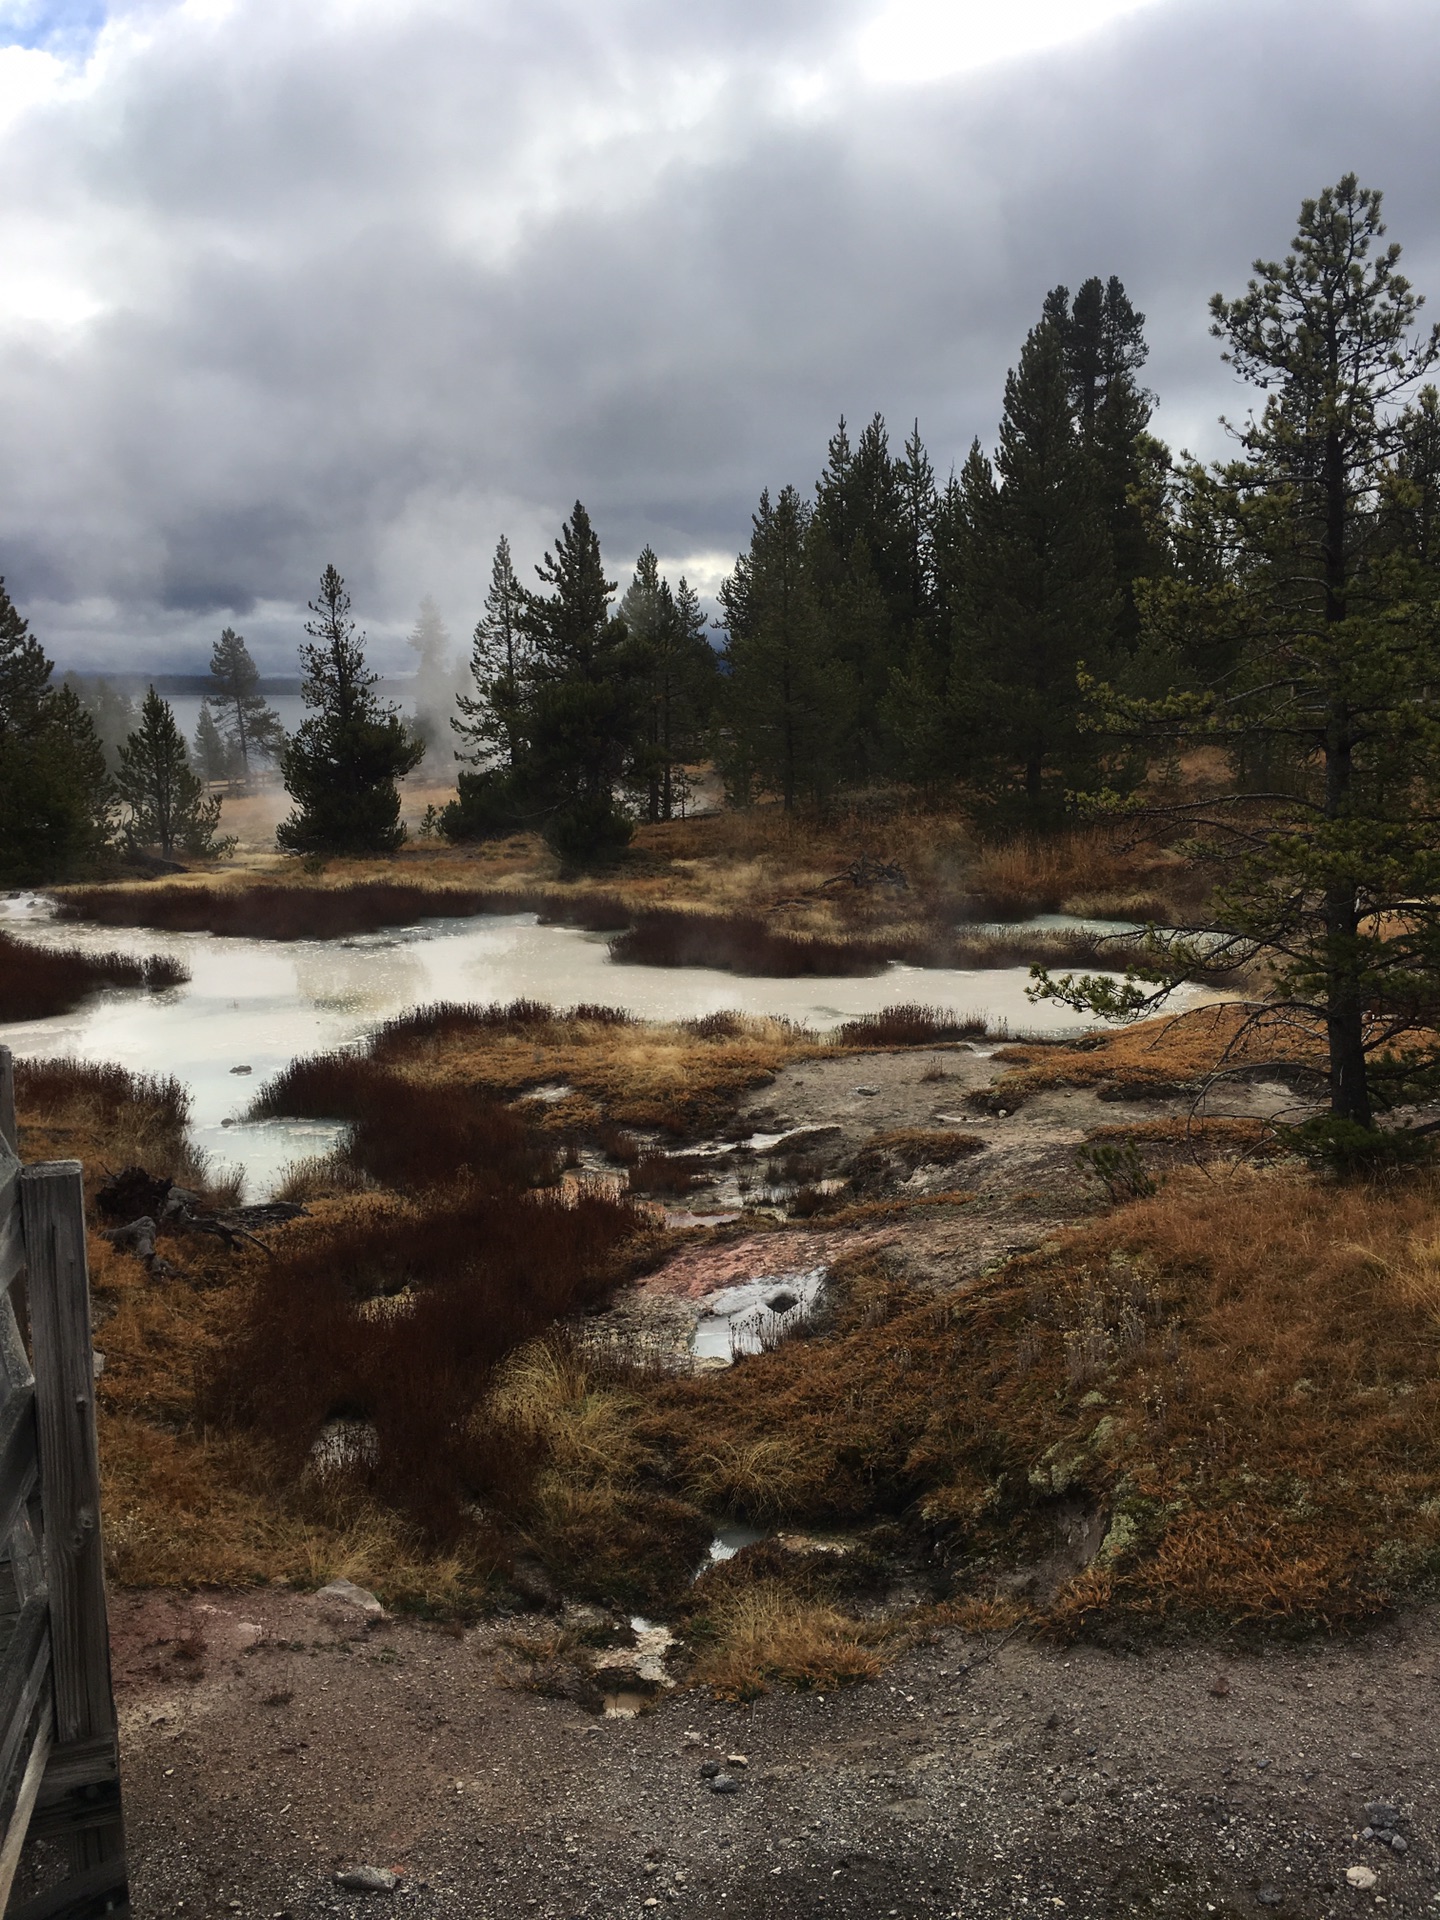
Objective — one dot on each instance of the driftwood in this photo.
(147, 1205)
(866, 872)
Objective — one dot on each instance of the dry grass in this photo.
(1253, 1413)
(1157, 1056)
(621, 1072)
(110, 1118)
(766, 1634)
(789, 869)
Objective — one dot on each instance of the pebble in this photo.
(1069, 1797)
(1361, 1877)
(709, 1769)
(867, 1090)
(1382, 1813)
(737, 1760)
(368, 1880)
(1269, 1896)
(724, 1783)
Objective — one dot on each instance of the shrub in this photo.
(37, 981)
(404, 1134)
(1120, 1168)
(1352, 1152)
(911, 1026)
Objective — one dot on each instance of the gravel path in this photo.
(978, 1778)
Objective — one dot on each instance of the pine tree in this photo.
(113, 714)
(167, 805)
(213, 755)
(343, 762)
(491, 720)
(583, 718)
(55, 797)
(676, 668)
(785, 701)
(246, 722)
(1329, 634)
(1037, 598)
(1105, 348)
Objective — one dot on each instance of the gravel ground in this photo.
(978, 1778)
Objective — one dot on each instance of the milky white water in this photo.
(260, 1003)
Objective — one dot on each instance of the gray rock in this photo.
(865, 1090)
(709, 1769)
(724, 1783)
(1269, 1896)
(1069, 1797)
(367, 1879)
(1382, 1813)
(358, 1600)
(1398, 1843)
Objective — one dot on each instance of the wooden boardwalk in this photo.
(59, 1754)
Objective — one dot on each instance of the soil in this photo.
(271, 1740)
(980, 1777)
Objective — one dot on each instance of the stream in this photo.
(252, 1006)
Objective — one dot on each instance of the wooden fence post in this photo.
(9, 1132)
(80, 1802)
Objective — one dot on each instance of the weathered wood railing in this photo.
(59, 1754)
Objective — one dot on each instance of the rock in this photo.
(535, 1587)
(1382, 1813)
(1361, 1877)
(1398, 1843)
(782, 1301)
(359, 1600)
(367, 1879)
(799, 1138)
(724, 1783)
(242, 1069)
(1269, 1896)
(737, 1759)
(709, 1769)
(868, 1091)
(1069, 1797)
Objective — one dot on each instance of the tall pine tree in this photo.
(584, 710)
(677, 671)
(785, 701)
(250, 726)
(1326, 631)
(167, 807)
(1037, 595)
(55, 797)
(344, 760)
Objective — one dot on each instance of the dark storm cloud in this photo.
(378, 286)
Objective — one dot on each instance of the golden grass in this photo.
(1159, 1054)
(783, 866)
(766, 1634)
(657, 1075)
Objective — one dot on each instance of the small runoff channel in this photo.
(250, 1007)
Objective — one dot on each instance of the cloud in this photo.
(373, 283)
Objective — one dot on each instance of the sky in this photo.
(372, 282)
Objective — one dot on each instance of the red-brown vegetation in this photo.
(37, 981)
